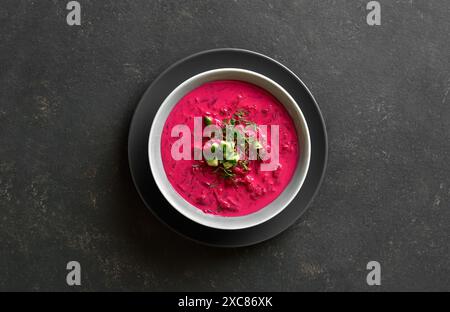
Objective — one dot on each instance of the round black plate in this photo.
(166, 83)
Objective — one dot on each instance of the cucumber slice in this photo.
(213, 162)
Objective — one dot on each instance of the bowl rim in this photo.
(196, 214)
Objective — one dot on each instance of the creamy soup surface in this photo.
(238, 186)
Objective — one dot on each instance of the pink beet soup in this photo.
(238, 187)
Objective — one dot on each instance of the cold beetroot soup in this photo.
(237, 184)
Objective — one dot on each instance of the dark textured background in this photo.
(68, 93)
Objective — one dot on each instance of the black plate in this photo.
(166, 83)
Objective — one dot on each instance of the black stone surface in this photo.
(67, 95)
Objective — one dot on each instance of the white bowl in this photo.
(187, 209)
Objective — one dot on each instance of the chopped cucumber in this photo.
(207, 120)
(214, 146)
(227, 145)
(213, 162)
(234, 158)
(228, 148)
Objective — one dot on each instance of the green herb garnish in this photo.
(243, 164)
(231, 159)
